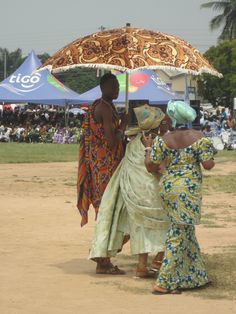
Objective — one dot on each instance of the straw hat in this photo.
(149, 118)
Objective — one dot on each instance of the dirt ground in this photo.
(43, 252)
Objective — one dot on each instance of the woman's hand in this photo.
(147, 140)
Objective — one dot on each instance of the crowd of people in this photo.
(147, 192)
(39, 124)
(220, 126)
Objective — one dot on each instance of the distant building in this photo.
(176, 81)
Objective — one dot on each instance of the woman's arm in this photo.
(150, 165)
(206, 153)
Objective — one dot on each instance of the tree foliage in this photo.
(43, 57)
(13, 61)
(216, 90)
(227, 18)
(79, 79)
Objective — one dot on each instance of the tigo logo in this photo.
(26, 81)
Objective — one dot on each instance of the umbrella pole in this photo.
(127, 92)
(186, 96)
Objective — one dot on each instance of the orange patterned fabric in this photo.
(127, 49)
(97, 163)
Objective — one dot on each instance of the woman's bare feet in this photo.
(144, 272)
(157, 262)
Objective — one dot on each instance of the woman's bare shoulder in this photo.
(176, 134)
(198, 134)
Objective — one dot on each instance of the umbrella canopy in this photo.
(143, 84)
(127, 49)
(26, 85)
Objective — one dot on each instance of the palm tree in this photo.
(227, 18)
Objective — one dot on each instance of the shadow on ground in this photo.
(220, 267)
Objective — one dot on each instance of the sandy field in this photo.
(43, 252)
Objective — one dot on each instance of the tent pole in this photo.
(66, 115)
(127, 92)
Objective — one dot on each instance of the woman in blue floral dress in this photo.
(182, 152)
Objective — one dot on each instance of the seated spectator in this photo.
(207, 131)
(230, 123)
(36, 123)
(34, 136)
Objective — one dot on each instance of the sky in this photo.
(48, 25)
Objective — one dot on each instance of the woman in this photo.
(182, 151)
(131, 204)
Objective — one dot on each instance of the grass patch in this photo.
(130, 258)
(212, 225)
(70, 183)
(229, 154)
(124, 287)
(37, 153)
(223, 183)
(231, 248)
(209, 216)
(226, 212)
(207, 222)
(222, 273)
(210, 220)
(229, 219)
(220, 268)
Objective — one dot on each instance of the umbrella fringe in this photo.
(124, 69)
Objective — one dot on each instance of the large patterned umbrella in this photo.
(126, 49)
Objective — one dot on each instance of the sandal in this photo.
(110, 270)
(156, 265)
(165, 291)
(144, 273)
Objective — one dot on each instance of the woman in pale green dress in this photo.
(131, 203)
(183, 151)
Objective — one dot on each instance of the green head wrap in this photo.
(180, 112)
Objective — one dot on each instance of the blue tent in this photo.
(26, 85)
(143, 84)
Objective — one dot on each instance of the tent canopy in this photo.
(27, 85)
(143, 84)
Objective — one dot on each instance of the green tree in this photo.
(43, 57)
(216, 90)
(227, 18)
(13, 61)
(79, 79)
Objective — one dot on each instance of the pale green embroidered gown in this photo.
(131, 204)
